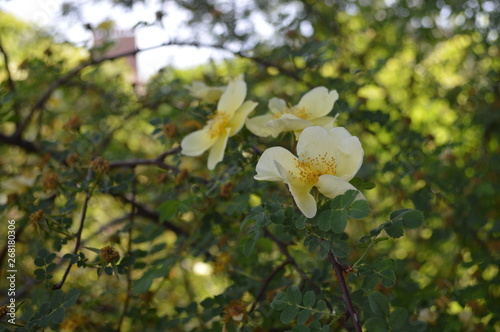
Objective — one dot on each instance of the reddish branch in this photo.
(339, 271)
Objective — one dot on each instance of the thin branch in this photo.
(284, 250)
(10, 82)
(345, 291)
(18, 141)
(73, 72)
(145, 212)
(157, 161)
(88, 195)
(266, 283)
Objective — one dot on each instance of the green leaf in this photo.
(311, 242)
(300, 223)
(42, 253)
(394, 228)
(50, 258)
(321, 305)
(39, 262)
(339, 220)
(248, 244)
(168, 210)
(359, 209)
(56, 299)
(347, 198)
(301, 328)
(71, 297)
(339, 248)
(293, 295)
(57, 316)
(413, 219)
(361, 184)
(399, 318)
(376, 324)
(44, 321)
(378, 304)
(387, 277)
(324, 249)
(288, 314)
(324, 221)
(303, 316)
(309, 299)
(279, 301)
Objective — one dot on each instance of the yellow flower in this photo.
(228, 120)
(310, 111)
(327, 159)
(204, 92)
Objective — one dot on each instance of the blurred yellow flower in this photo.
(204, 92)
(228, 120)
(327, 159)
(310, 111)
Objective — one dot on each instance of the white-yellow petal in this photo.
(318, 102)
(266, 168)
(239, 117)
(276, 105)
(326, 122)
(350, 158)
(337, 145)
(209, 94)
(287, 122)
(256, 125)
(197, 142)
(233, 97)
(333, 186)
(300, 192)
(216, 153)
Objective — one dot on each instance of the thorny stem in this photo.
(345, 291)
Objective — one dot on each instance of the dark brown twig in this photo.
(345, 291)
(284, 250)
(157, 161)
(10, 82)
(88, 195)
(146, 212)
(266, 283)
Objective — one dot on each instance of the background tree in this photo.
(92, 173)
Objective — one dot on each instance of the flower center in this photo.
(299, 112)
(310, 169)
(217, 124)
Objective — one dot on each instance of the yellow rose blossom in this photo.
(310, 111)
(326, 159)
(227, 121)
(204, 92)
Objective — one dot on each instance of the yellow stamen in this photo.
(217, 124)
(298, 112)
(310, 169)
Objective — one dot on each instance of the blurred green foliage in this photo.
(86, 156)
